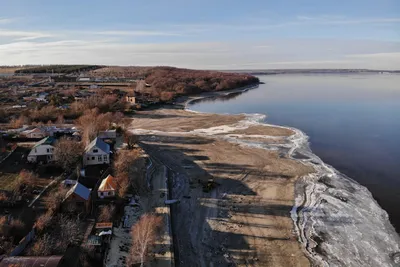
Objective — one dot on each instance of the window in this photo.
(35, 150)
(99, 158)
(105, 157)
(48, 150)
(95, 150)
(92, 158)
(88, 158)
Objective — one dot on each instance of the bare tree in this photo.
(22, 120)
(25, 181)
(6, 245)
(89, 133)
(60, 120)
(130, 139)
(43, 221)
(43, 246)
(144, 235)
(123, 183)
(130, 164)
(91, 122)
(106, 213)
(3, 196)
(67, 153)
(125, 160)
(69, 231)
(54, 200)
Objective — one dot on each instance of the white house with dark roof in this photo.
(42, 151)
(97, 152)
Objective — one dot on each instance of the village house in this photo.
(107, 188)
(108, 134)
(34, 133)
(130, 99)
(83, 79)
(42, 151)
(97, 152)
(77, 199)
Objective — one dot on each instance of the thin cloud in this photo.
(395, 55)
(333, 19)
(218, 55)
(136, 33)
(24, 35)
(6, 20)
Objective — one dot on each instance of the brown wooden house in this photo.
(77, 199)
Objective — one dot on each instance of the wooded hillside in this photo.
(169, 82)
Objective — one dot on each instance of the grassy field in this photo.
(7, 181)
(13, 165)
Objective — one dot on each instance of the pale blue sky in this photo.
(216, 34)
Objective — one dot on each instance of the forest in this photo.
(167, 83)
(65, 69)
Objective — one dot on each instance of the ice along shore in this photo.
(337, 220)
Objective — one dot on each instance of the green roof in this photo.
(45, 141)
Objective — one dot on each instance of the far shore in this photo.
(184, 101)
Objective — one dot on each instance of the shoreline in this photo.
(322, 202)
(307, 195)
(184, 101)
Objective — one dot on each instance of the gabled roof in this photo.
(46, 141)
(108, 184)
(33, 130)
(97, 142)
(79, 190)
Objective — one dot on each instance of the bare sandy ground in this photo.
(243, 221)
(181, 121)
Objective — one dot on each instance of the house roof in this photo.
(97, 142)
(49, 261)
(94, 240)
(80, 190)
(108, 184)
(46, 141)
(33, 130)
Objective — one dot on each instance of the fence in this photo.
(23, 243)
(14, 147)
(149, 173)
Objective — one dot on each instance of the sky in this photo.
(207, 34)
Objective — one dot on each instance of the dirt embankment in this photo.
(244, 220)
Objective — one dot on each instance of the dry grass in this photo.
(9, 69)
(8, 181)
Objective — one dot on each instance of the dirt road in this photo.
(243, 221)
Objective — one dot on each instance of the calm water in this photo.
(353, 122)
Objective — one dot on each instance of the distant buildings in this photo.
(130, 99)
(108, 134)
(43, 131)
(83, 79)
(34, 133)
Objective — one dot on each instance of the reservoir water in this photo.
(353, 122)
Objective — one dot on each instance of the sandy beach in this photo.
(245, 220)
